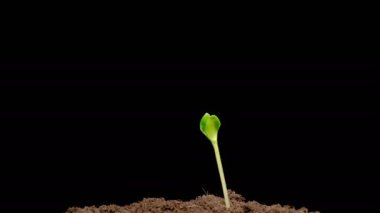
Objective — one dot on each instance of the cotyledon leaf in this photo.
(209, 126)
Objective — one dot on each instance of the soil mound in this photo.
(201, 204)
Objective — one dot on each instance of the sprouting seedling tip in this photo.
(209, 126)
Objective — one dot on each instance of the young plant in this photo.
(209, 126)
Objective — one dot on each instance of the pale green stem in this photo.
(221, 173)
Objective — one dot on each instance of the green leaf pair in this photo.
(210, 125)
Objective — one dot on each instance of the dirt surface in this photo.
(202, 204)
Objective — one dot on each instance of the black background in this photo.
(92, 131)
(92, 115)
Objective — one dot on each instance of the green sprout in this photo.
(210, 125)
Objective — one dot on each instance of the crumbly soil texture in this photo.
(201, 204)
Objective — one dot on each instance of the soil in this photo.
(202, 204)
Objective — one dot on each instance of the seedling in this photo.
(209, 126)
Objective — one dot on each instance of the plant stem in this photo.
(221, 173)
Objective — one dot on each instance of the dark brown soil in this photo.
(202, 204)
